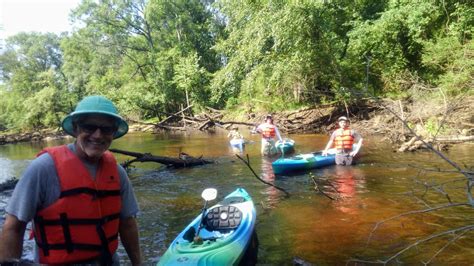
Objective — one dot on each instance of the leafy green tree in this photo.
(281, 52)
(449, 56)
(137, 47)
(31, 71)
(404, 41)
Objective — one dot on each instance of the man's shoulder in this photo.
(44, 160)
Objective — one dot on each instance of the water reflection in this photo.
(349, 181)
(273, 195)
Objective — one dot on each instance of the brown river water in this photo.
(308, 225)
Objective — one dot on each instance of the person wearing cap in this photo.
(343, 139)
(234, 134)
(79, 199)
(237, 141)
(268, 131)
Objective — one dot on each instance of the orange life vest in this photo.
(83, 223)
(344, 139)
(268, 131)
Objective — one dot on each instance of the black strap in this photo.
(83, 221)
(38, 221)
(106, 257)
(65, 223)
(66, 232)
(95, 193)
(77, 246)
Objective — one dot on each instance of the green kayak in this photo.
(224, 234)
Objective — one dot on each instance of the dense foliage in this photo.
(154, 57)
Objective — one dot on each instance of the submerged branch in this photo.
(428, 238)
(450, 242)
(317, 187)
(247, 162)
(378, 224)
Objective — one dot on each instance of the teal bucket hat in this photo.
(95, 105)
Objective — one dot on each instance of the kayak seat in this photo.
(190, 234)
(223, 218)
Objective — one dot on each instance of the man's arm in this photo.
(278, 134)
(128, 230)
(358, 145)
(11, 238)
(329, 145)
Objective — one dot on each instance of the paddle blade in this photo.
(209, 194)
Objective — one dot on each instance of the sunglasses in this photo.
(90, 129)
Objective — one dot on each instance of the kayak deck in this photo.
(224, 243)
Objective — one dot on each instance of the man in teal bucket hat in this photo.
(79, 199)
(95, 105)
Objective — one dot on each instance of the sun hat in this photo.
(95, 105)
(342, 118)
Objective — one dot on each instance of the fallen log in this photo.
(455, 139)
(174, 115)
(184, 160)
(415, 144)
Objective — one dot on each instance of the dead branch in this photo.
(378, 224)
(206, 124)
(428, 238)
(166, 127)
(247, 162)
(468, 176)
(318, 188)
(236, 123)
(184, 160)
(140, 122)
(462, 229)
(174, 115)
(450, 242)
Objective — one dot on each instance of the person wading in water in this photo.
(268, 131)
(343, 139)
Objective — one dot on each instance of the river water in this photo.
(331, 224)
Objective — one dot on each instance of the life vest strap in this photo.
(66, 232)
(45, 249)
(93, 192)
(106, 257)
(78, 246)
(42, 222)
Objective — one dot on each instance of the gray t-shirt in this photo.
(39, 187)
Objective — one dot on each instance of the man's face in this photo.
(94, 134)
(343, 123)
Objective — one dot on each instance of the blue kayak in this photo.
(226, 232)
(285, 146)
(304, 162)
